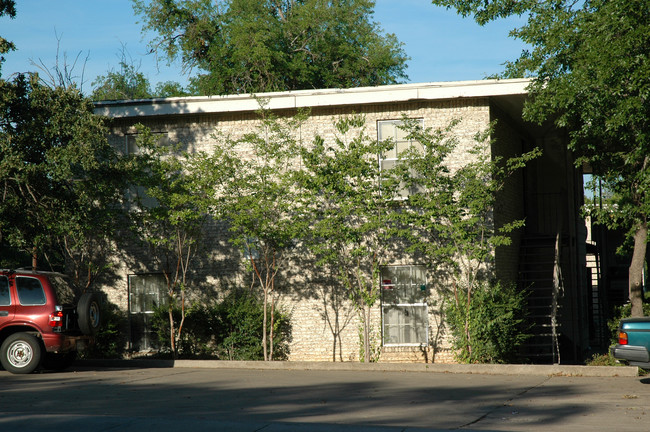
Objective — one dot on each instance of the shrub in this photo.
(111, 339)
(492, 327)
(229, 330)
(625, 311)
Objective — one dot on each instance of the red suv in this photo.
(40, 322)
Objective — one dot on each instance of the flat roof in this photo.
(312, 98)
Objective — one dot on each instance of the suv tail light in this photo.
(622, 338)
(56, 317)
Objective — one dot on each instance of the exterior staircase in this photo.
(539, 273)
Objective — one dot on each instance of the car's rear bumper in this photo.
(55, 342)
(635, 355)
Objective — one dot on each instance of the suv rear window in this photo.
(5, 298)
(30, 291)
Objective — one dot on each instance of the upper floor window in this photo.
(131, 146)
(392, 130)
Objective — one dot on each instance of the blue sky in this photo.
(442, 45)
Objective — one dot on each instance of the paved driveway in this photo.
(189, 399)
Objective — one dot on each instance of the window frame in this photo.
(19, 290)
(399, 304)
(383, 161)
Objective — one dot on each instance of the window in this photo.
(390, 130)
(404, 307)
(5, 297)
(30, 291)
(131, 142)
(146, 293)
(135, 193)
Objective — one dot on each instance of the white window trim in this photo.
(418, 304)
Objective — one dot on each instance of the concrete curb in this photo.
(487, 369)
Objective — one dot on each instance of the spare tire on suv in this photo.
(89, 313)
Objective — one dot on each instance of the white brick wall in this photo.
(312, 335)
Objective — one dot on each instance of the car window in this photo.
(30, 291)
(5, 298)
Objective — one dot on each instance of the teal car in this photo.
(633, 342)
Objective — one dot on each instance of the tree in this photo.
(252, 185)
(61, 181)
(246, 46)
(448, 217)
(348, 215)
(7, 7)
(129, 83)
(591, 69)
(170, 218)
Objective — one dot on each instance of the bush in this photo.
(495, 322)
(111, 339)
(625, 311)
(229, 330)
(603, 360)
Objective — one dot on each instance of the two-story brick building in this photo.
(550, 251)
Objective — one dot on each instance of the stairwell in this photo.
(539, 274)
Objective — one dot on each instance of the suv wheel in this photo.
(89, 313)
(20, 353)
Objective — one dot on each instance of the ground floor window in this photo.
(146, 293)
(404, 305)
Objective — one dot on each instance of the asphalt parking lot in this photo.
(290, 399)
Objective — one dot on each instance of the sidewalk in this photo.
(485, 369)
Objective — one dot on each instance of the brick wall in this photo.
(313, 306)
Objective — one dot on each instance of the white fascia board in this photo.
(311, 98)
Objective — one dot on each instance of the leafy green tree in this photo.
(129, 83)
(591, 69)
(8, 8)
(448, 217)
(348, 214)
(169, 89)
(170, 218)
(490, 328)
(250, 179)
(245, 46)
(61, 181)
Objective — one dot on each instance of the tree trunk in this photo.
(636, 269)
(172, 332)
(265, 317)
(366, 334)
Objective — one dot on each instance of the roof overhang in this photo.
(510, 93)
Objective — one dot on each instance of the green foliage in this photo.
(129, 83)
(448, 214)
(591, 66)
(239, 328)
(171, 225)
(125, 84)
(8, 8)
(255, 195)
(491, 326)
(62, 181)
(624, 311)
(229, 330)
(246, 46)
(110, 341)
(603, 360)
(347, 213)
